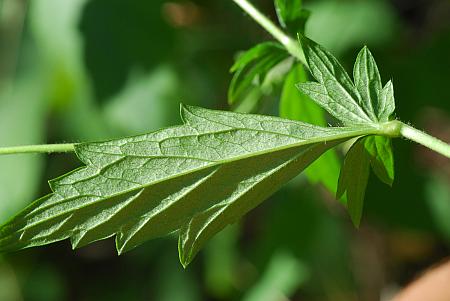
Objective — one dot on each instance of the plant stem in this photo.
(291, 45)
(431, 142)
(42, 148)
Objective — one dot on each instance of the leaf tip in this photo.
(184, 263)
(355, 212)
(304, 41)
(119, 250)
(184, 110)
(121, 245)
(184, 258)
(299, 86)
(74, 242)
(340, 192)
(341, 186)
(356, 221)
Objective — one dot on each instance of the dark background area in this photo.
(78, 70)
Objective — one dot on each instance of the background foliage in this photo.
(78, 70)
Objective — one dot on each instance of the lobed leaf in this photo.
(386, 103)
(251, 68)
(353, 179)
(334, 91)
(368, 82)
(370, 151)
(291, 16)
(361, 102)
(193, 179)
(381, 157)
(287, 10)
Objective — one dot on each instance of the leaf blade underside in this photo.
(205, 224)
(353, 179)
(381, 157)
(148, 186)
(368, 82)
(196, 178)
(334, 90)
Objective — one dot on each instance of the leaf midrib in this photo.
(356, 133)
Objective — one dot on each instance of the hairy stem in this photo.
(431, 142)
(291, 45)
(42, 148)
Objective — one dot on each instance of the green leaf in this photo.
(291, 16)
(334, 91)
(259, 95)
(362, 102)
(251, 68)
(386, 103)
(381, 157)
(378, 102)
(368, 82)
(287, 10)
(374, 151)
(353, 179)
(251, 102)
(295, 105)
(195, 179)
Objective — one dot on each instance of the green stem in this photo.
(291, 45)
(42, 148)
(431, 142)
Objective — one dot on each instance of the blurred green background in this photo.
(79, 70)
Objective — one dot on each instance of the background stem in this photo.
(291, 45)
(43, 148)
(431, 142)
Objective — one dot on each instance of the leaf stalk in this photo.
(42, 148)
(426, 140)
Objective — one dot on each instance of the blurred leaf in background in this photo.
(119, 37)
(340, 25)
(297, 221)
(438, 198)
(67, 88)
(251, 71)
(9, 286)
(22, 116)
(281, 278)
(23, 111)
(222, 276)
(48, 277)
(146, 102)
